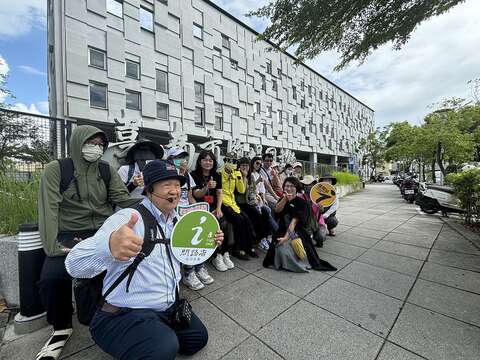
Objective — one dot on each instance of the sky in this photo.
(436, 63)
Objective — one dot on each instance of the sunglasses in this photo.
(258, 163)
(231, 161)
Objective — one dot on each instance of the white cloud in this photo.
(43, 107)
(32, 108)
(19, 17)
(441, 56)
(31, 70)
(4, 69)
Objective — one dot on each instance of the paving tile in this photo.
(393, 352)
(393, 262)
(458, 260)
(373, 233)
(338, 261)
(222, 278)
(380, 225)
(435, 336)
(425, 241)
(401, 249)
(357, 240)
(461, 279)
(342, 228)
(220, 340)
(250, 266)
(367, 308)
(251, 349)
(321, 336)
(92, 353)
(345, 250)
(251, 301)
(457, 245)
(449, 301)
(385, 281)
(298, 284)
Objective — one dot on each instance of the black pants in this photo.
(242, 228)
(55, 287)
(257, 221)
(133, 334)
(331, 221)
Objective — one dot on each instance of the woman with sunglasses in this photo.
(209, 190)
(292, 212)
(233, 181)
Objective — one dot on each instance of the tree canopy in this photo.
(352, 28)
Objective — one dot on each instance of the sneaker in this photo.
(242, 255)
(264, 244)
(227, 261)
(191, 281)
(252, 253)
(219, 263)
(204, 276)
(54, 346)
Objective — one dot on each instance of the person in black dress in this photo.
(292, 214)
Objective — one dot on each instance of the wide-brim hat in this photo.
(308, 179)
(328, 176)
(297, 164)
(231, 155)
(158, 170)
(176, 151)
(155, 148)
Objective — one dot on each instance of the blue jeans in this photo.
(271, 221)
(187, 269)
(146, 334)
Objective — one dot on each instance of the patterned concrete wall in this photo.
(322, 119)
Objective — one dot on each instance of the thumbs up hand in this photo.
(124, 243)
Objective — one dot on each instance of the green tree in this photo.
(352, 28)
(373, 148)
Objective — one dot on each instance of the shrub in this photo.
(346, 178)
(18, 202)
(467, 188)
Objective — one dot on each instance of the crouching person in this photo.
(136, 319)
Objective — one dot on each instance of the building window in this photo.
(234, 64)
(162, 81)
(303, 130)
(302, 84)
(309, 90)
(294, 91)
(164, 2)
(302, 103)
(257, 107)
(269, 111)
(199, 92)
(295, 119)
(264, 129)
(133, 100)
(97, 58)
(199, 116)
(225, 41)
(132, 69)
(269, 67)
(264, 82)
(198, 31)
(98, 95)
(218, 116)
(234, 112)
(274, 85)
(279, 72)
(162, 111)
(146, 19)
(279, 116)
(115, 7)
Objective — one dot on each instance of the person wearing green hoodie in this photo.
(66, 217)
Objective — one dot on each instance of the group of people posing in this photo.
(92, 220)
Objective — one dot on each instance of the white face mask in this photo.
(92, 153)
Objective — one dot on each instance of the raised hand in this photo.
(124, 243)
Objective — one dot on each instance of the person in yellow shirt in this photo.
(233, 181)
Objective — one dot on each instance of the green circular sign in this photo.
(193, 237)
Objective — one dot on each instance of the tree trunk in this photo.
(434, 179)
(440, 160)
(423, 172)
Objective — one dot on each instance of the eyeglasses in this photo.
(95, 142)
(231, 161)
(257, 163)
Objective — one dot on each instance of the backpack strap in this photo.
(105, 174)
(66, 173)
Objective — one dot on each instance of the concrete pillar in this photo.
(313, 160)
(333, 160)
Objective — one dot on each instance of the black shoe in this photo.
(253, 253)
(319, 244)
(241, 255)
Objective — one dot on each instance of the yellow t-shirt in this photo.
(230, 183)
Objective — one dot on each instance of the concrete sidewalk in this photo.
(408, 287)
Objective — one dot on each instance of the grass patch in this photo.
(346, 178)
(18, 202)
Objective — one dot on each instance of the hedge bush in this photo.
(346, 178)
(467, 188)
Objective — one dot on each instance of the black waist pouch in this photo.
(182, 316)
(71, 238)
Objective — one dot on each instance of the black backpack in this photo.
(88, 292)
(67, 174)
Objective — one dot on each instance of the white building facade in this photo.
(189, 66)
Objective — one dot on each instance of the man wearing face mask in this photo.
(76, 195)
(136, 158)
